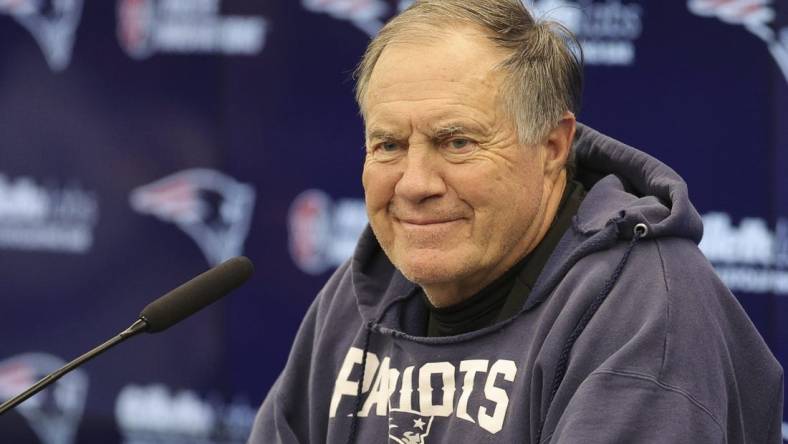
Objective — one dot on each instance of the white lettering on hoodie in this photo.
(436, 385)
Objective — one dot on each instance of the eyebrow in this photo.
(447, 131)
(381, 134)
(451, 129)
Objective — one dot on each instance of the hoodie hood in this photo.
(625, 187)
(645, 190)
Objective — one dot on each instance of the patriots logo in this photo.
(408, 427)
(366, 15)
(759, 17)
(52, 24)
(53, 414)
(212, 208)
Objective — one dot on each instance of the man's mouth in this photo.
(428, 221)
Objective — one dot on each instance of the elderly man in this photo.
(524, 278)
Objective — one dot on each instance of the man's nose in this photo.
(422, 176)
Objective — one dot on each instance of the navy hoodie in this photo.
(628, 336)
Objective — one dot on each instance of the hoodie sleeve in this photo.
(670, 357)
(284, 416)
(615, 407)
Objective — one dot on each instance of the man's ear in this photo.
(558, 145)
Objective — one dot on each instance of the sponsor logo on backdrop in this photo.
(55, 413)
(607, 30)
(146, 27)
(53, 24)
(749, 257)
(214, 209)
(322, 233)
(154, 414)
(757, 16)
(38, 217)
(366, 15)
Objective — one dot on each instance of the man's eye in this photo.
(459, 144)
(389, 146)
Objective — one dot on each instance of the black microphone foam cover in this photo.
(196, 294)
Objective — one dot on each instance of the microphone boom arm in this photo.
(160, 315)
(137, 327)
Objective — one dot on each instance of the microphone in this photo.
(195, 294)
(160, 315)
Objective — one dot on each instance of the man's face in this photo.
(452, 196)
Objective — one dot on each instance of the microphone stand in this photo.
(160, 315)
(139, 326)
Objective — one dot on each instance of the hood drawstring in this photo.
(640, 231)
(351, 438)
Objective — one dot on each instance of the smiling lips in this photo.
(427, 222)
(429, 227)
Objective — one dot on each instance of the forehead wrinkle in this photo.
(426, 89)
(445, 113)
(478, 113)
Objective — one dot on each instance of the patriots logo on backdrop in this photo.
(55, 413)
(53, 24)
(212, 208)
(760, 17)
(408, 427)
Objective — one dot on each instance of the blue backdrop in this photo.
(142, 141)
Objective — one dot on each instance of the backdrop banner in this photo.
(143, 141)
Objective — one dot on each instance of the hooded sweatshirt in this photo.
(627, 336)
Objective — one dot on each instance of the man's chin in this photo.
(430, 272)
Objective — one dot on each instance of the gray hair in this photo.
(544, 67)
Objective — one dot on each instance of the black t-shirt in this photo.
(505, 296)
